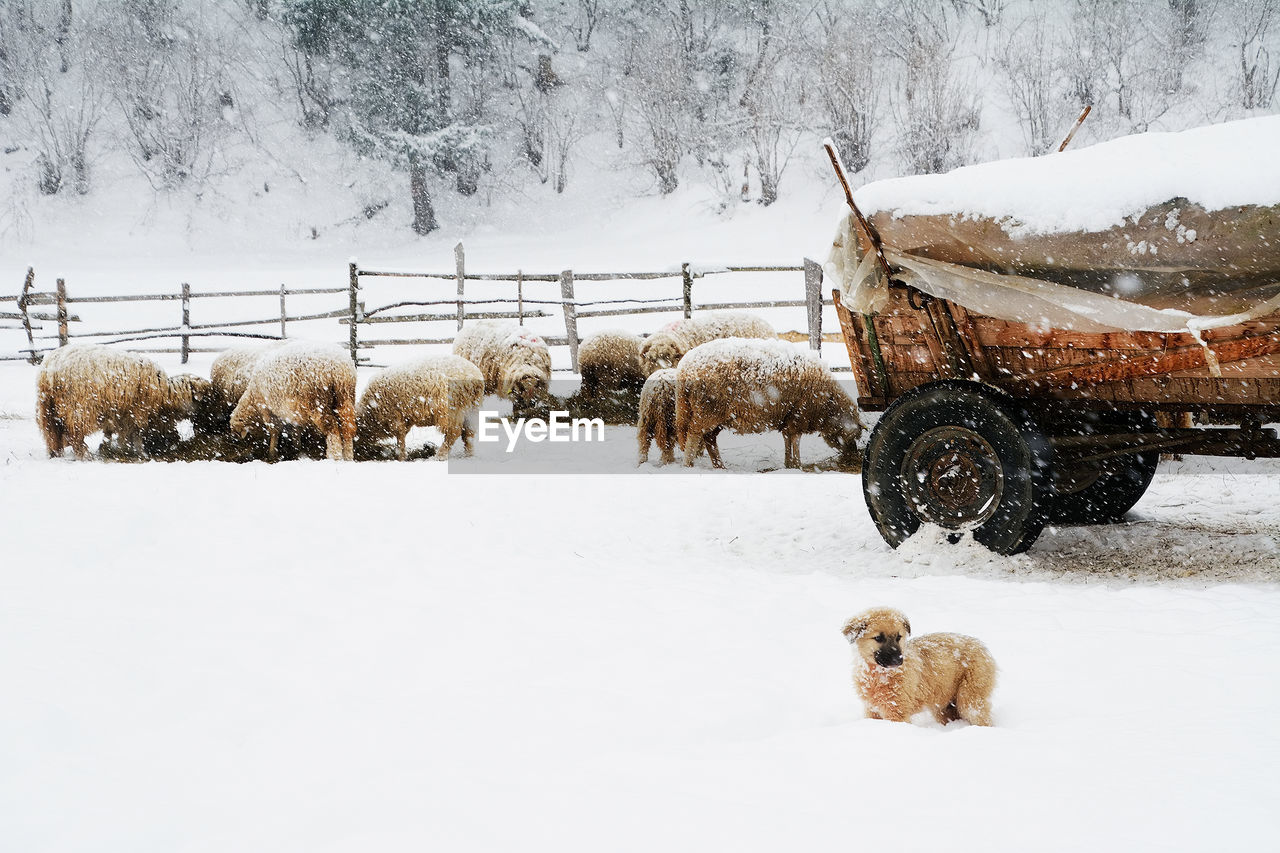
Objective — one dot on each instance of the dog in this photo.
(897, 676)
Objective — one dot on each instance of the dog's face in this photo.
(877, 635)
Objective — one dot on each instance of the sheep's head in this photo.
(842, 433)
(659, 351)
(525, 384)
(371, 426)
(207, 410)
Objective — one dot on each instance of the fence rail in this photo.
(355, 315)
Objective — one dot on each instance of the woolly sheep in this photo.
(303, 384)
(83, 388)
(669, 344)
(658, 415)
(230, 373)
(610, 361)
(435, 391)
(515, 362)
(753, 386)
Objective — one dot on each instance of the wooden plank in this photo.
(1133, 368)
(434, 318)
(859, 348)
(570, 316)
(968, 333)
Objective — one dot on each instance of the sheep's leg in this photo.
(713, 449)
(273, 438)
(791, 451)
(642, 440)
(467, 434)
(692, 448)
(450, 436)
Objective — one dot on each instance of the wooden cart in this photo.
(999, 428)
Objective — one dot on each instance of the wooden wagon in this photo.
(1000, 426)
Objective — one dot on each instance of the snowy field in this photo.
(376, 657)
(334, 657)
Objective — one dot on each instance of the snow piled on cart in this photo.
(1095, 240)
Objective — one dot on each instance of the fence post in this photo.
(186, 321)
(353, 316)
(26, 315)
(63, 333)
(283, 316)
(688, 289)
(570, 315)
(460, 260)
(813, 302)
(520, 295)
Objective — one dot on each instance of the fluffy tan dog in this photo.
(949, 674)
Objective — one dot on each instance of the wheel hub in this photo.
(953, 477)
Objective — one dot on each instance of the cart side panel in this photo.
(1128, 368)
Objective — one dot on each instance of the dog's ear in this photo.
(854, 627)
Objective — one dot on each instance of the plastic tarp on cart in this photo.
(1161, 232)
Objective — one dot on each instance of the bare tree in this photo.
(936, 113)
(171, 94)
(847, 61)
(59, 110)
(1255, 36)
(1030, 71)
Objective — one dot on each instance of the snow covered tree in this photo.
(398, 59)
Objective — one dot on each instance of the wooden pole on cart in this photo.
(873, 239)
(1083, 115)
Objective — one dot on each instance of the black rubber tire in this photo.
(960, 455)
(1121, 480)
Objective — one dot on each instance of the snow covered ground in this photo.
(380, 657)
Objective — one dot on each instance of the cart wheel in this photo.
(1104, 491)
(963, 457)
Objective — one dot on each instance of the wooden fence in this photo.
(456, 307)
(571, 308)
(183, 332)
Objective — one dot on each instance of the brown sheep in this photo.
(303, 384)
(610, 361)
(435, 391)
(515, 362)
(230, 373)
(84, 388)
(658, 415)
(665, 347)
(753, 386)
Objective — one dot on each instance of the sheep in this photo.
(610, 361)
(230, 374)
(83, 388)
(434, 391)
(304, 384)
(658, 415)
(755, 386)
(515, 362)
(665, 347)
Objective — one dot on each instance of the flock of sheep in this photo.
(694, 377)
